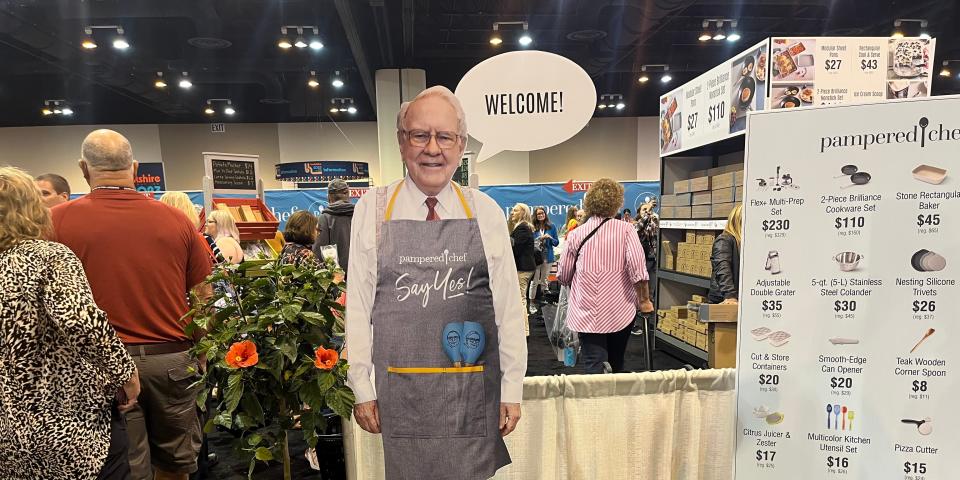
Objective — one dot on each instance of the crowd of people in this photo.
(94, 291)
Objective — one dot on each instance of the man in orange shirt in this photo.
(142, 257)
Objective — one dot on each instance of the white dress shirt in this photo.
(410, 205)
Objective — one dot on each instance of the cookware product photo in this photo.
(858, 178)
(924, 339)
(847, 170)
(924, 427)
(926, 261)
(929, 174)
(848, 261)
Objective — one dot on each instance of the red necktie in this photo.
(432, 213)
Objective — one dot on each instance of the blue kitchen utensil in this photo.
(836, 413)
(474, 340)
(452, 341)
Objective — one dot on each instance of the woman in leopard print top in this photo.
(61, 363)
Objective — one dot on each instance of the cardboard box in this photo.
(723, 195)
(682, 199)
(669, 262)
(706, 237)
(699, 173)
(722, 345)
(700, 211)
(698, 298)
(738, 196)
(681, 212)
(718, 312)
(716, 171)
(699, 184)
(682, 186)
(667, 212)
(724, 180)
(721, 210)
(666, 200)
(679, 312)
(701, 341)
(738, 178)
(691, 236)
(701, 198)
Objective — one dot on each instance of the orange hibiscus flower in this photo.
(242, 355)
(325, 359)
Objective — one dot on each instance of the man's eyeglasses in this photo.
(421, 138)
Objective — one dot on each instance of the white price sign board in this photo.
(848, 293)
(714, 105)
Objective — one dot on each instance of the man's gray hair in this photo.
(107, 151)
(444, 93)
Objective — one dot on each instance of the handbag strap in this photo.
(584, 242)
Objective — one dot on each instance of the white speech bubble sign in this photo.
(525, 100)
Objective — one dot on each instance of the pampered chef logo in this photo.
(445, 258)
(919, 133)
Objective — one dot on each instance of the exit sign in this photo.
(218, 128)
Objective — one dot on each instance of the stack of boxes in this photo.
(683, 323)
(707, 194)
(692, 256)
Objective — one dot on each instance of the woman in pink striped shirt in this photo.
(603, 263)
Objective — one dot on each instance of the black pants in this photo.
(117, 466)
(597, 348)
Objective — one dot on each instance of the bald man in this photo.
(141, 258)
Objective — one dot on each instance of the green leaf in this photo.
(234, 391)
(202, 399)
(224, 420)
(251, 405)
(311, 394)
(341, 400)
(263, 454)
(314, 318)
(254, 440)
(290, 311)
(244, 421)
(326, 380)
(308, 422)
(253, 464)
(288, 348)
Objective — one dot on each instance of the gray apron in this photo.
(439, 419)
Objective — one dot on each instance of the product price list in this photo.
(848, 295)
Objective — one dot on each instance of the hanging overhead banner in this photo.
(848, 278)
(792, 73)
(836, 70)
(322, 171)
(714, 105)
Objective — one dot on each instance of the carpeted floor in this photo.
(541, 361)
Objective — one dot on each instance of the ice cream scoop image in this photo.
(474, 341)
(452, 340)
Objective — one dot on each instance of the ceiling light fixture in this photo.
(337, 80)
(119, 41)
(343, 105)
(611, 101)
(705, 37)
(644, 78)
(719, 32)
(334, 110)
(209, 111)
(301, 41)
(945, 70)
(312, 81)
(733, 37)
(666, 78)
(185, 82)
(159, 83)
(719, 35)
(524, 39)
(899, 32)
(229, 111)
(56, 107)
(352, 109)
(228, 108)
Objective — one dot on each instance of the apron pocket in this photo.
(438, 402)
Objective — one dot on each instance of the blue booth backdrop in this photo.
(550, 195)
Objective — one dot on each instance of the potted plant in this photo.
(271, 335)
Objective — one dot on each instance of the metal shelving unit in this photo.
(681, 345)
(686, 278)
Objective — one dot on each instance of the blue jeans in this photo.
(596, 348)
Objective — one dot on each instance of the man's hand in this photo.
(509, 416)
(368, 416)
(131, 390)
